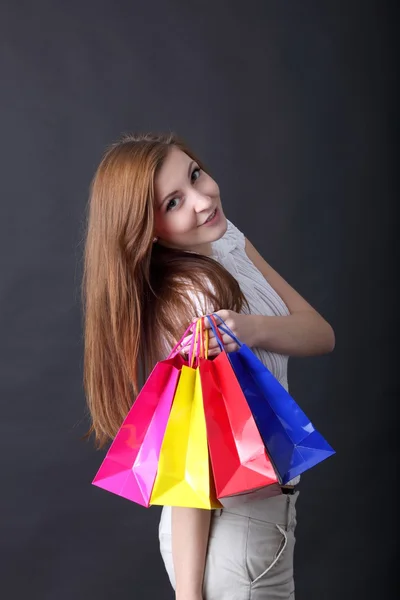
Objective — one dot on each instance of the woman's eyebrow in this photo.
(190, 168)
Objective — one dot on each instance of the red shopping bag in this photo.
(130, 466)
(239, 460)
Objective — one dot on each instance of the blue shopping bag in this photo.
(292, 442)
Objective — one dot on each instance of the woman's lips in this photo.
(211, 217)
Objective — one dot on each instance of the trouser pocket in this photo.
(267, 544)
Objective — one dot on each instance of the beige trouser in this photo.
(250, 551)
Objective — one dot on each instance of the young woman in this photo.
(160, 252)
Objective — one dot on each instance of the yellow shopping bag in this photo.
(184, 476)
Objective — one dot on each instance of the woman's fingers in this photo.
(228, 348)
(213, 343)
(213, 351)
(226, 339)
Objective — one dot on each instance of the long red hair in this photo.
(135, 293)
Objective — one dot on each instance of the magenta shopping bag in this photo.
(130, 465)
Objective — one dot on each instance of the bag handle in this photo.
(175, 350)
(204, 343)
(216, 332)
(195, 342)
(199, 343)
(207, 339)
(204, 346)
(228, 331)
(224, 327)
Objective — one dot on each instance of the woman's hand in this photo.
(243, 326)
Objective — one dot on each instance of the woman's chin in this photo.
(220, 227)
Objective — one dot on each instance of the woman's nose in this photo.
(201, 202)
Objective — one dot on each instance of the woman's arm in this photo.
(298, 334)
(302, 333)
(190, 529)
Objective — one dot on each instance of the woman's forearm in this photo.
(190, 530)
(303, 333)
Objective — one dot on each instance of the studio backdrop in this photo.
(290, 106)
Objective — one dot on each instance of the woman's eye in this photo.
(170, 204)
(196, 173)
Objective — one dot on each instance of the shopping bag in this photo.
(239, 460)
(184, 476)
(293, 443)
(130, 465)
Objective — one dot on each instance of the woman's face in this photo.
(186, 199)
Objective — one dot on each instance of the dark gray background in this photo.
(291, 105)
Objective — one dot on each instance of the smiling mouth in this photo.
(211, 216)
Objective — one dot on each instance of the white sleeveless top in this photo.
(230, 252)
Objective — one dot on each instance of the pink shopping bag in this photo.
(130, 465)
